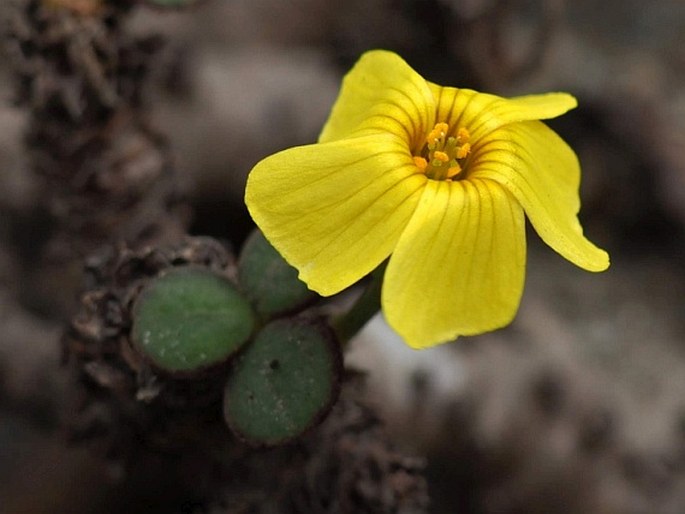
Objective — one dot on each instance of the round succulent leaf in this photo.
(189, 319)
(284, 382)
(269, 282)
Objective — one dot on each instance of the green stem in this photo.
(366, 307)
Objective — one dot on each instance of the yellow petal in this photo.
(459, 266)
(482, 113)
(542, 172)
(335, 210)
(382, 92)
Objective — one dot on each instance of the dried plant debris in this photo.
(107, 173)
(346, 466)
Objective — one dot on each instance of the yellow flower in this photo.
(436, 178)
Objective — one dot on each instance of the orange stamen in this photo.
(441, 156)
(453, 171)
(463, 135)
(421, 163)
(463, 150)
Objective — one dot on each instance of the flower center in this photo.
(442, 156)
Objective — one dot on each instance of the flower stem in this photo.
(366, 307)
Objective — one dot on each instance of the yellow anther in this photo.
(438, 133)
(463, 135)
(441, 156)
(421, 163)
(453, 171)
(463, 150)
(442, 127)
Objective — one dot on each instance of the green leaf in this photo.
(285, 382)
(190, 319)
(269, 282)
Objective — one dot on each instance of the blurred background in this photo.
(578, 406)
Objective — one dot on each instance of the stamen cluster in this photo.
(441, 154)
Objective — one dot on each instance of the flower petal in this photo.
(459, 266)
(335, 210)
(482, 113)
(382, 92)
(542, 172)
